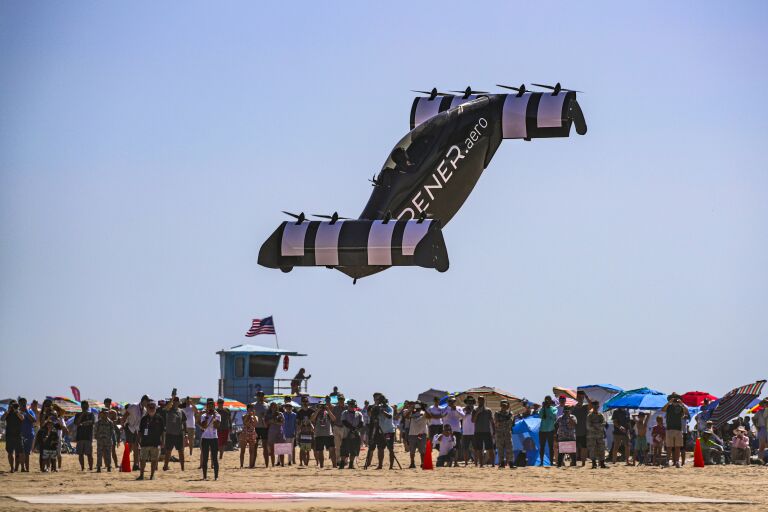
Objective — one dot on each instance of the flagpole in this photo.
(277, 341)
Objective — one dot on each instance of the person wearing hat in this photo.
(352, 421)
(596, 435)
(209, 439)
(131, 420)
(711, 450)
(338, 428)
(760, 420)
(675, 413)
(289, 428)
(740, 452)
(503, 421)
(151, 430)
(446, 443)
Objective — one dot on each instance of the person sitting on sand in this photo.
(446, 441)
(710, 449)
(740, 452)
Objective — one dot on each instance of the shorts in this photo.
(49, 454)
(174, 442)
(641, 444)
(323, 442)
(14, 445)
(674, 439)
(305, 447)
(467, 442)
(382, 440)
(223, 438)
(483, 440)
(762, 434)
(620, 439)
(130, 437)
(27, 443)
(247, 437)
(417, 443)
(435, 430)
(350, 446)
(581, 442)
(150, 453)
(84, 448)
(261, 433)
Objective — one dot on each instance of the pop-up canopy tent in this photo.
(525, 437)
(600, 392)
(641, 398)
(493, 396)
(430, 394)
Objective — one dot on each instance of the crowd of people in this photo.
(469, 434)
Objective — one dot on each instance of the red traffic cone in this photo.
(427, 464)
(125, 464)
(698, 457)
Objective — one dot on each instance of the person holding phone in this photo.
(209, 442)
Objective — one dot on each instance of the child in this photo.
(47, 442)
(658, 435)
(641, 437)
(740, 452)
(105, 431)
(306, 434)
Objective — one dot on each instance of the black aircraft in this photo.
(425, 180)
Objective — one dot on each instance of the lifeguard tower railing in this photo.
(283, 386)
(247, 392)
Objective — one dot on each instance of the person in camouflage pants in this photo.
(104, 432)
(503, 421)
(596, 436)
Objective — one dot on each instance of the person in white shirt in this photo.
(131, 422)
(446, 441)
(191, 411)
(437, 413)
(453, 417)
(209, 442)
(417, 431)
(468, 429)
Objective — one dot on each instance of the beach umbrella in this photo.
(569, 394)
(233, 405)
(600, 392)
(641, 398)
(68, 405)
(696, 398)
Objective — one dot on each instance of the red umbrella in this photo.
(696, 398)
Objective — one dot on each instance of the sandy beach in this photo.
(722, 482)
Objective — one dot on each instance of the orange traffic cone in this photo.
(427, 464)
(125, 464)
(698, 457)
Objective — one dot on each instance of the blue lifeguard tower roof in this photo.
(247, 369)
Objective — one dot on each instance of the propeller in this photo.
(299, 218)
(557, 88)
(468, 92)
(520, 90)
(434, 93)
(333, 217)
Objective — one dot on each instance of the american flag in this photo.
(261, 326)
(728, 407)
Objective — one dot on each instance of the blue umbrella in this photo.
(642, 398)
(526, 432)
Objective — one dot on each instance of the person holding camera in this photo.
(418, 431)
(352, 421)
(675, 413)
(446, 441)
(503, 421)
(47, 443)
(381, 431)
(323, 420)
(209, 441)
(14, 445)
(548, 415)
(175, 432)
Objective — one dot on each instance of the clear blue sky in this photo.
(147, 148)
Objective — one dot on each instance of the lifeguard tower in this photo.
(246, 369)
